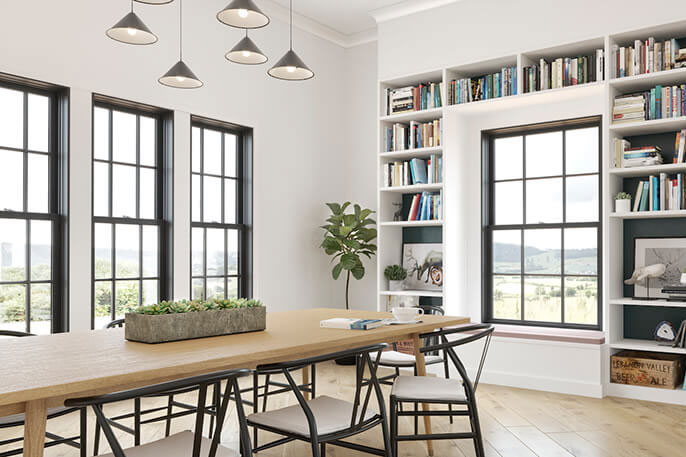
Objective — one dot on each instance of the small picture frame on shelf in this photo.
(668, 251)
(424, 265)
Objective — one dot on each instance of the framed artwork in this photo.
(424, 265)
(669, 251)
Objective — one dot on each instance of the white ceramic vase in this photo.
(623, 206)
(395, 285)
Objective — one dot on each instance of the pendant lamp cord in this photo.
(132, 6)
(180, 30)
(291, 25)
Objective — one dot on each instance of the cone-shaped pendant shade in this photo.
(243, 14)
(246, 52)
(180, 77)
(291, 68)
(154, 2)
(131, 30)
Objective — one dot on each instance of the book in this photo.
(644, 197)
(351, 323)
(637, 196)
(645, 56)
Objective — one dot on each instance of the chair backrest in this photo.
(117, 323)
(367, 358)
(15, 333)
(202, 382)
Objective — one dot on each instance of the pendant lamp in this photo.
(131, 30)
(246, 52)
(291, 67)
(180, 76)
(243, 14)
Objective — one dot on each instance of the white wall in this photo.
(298, 154)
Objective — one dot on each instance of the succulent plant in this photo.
(395, 273)
(192, 306)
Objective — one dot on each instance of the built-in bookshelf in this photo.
(617, 305)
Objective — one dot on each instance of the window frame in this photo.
(489, 227)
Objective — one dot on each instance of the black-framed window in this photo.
(542, 237)
(220, 210)
(131, 200)
(33, 176)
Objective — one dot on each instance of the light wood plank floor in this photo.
(515, 423)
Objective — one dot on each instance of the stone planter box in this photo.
(163, 328)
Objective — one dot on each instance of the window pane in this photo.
(13, 306)
(123, 137)
(149, 292)
(147, 203)
(229, 155)
(11, 118)
(542, 251)
(508, 158)
(147, 146)
(195, 192)
(150, 250)
(124, 199)
(101, 133)
(232, 291)
(581, 151)
(101, 189)
(41, 250)
(212, 152)
(215, 252)
(544, 201)
(103, 303)
(581, 251)
(12, 250)
(41, 308)
(215, 288)
(39, 122)
(582, 199)
(39, 179)
(103, 251)
(198, 248)
(507, 251)
(229, 201)
(507, 297)
(232, 254)
(198, 285)
(542, 298)
(195, 150)
(127, 244)
(126, 297)
(212, 196)
(508, 203)
(581, 300)
(11, 180)
(544, 154)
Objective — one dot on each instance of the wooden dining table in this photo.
(41, 372)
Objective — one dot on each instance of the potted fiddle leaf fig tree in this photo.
(348, 236)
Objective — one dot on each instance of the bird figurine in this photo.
(647, 272)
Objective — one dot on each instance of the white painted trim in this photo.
(547, 384)
(406, 8)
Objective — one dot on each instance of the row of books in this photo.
(661, 193)
(657, 103)
(563, 72)
(426, 206)
(414, 98)
(649, 56)
(400, 137)
(485, 87)
(627, 157)
(415, 171)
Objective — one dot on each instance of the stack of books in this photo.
(400, 137)
(345, 323)
(495, 85)
(426, 206)
(675, 292)
(647, 56)
(642, 156)
(629, 108)
(661, 193)
(415, 171)
(414, 98)
(660, 102)
(563, 72)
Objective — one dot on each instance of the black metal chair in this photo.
(183, 444)
(325, 420)
(18, 420)
(445, 391)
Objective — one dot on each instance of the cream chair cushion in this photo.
(177, 445)
(427, 388)
(400, 359)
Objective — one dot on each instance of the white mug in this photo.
(407, 314)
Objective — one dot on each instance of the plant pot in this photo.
(623, 206)
(163, 328)
(395, 285)
(683, 278)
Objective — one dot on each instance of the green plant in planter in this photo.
(193, 306)
(347, 237)
(623, 196)
(395, 273)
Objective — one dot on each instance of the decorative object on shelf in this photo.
(424, 265)
(347, 238)
(665, 334)
(645, 273)
(291, 67)
(246, 52)
(396, 275)
(131, 30)
(398, 213)
(622, 202)
(671, 252)
(680, 339)
(180, 75)
(243, 14)
(665, 371)
(184, 320)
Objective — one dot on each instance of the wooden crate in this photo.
(665, 371)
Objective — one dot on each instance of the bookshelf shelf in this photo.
(436, 223)
(676, 396)
(650, 214)
(412, 153)
(645, 345)
(410, 293)
(413, 188)
(423, 115)
(649, 170)
(648, 80)
(648, 127)
(628, 301)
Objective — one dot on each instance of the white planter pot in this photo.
(683, 278)
(622, 206)
(395, 285)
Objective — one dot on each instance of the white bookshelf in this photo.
(669, 168)
(650, 214)
(410, 293)
(629, 301)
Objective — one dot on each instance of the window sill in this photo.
(550, 334)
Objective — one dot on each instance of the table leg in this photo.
(34, 429)
(306, 380)
(421, 371)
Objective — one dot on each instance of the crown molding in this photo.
(405, 8)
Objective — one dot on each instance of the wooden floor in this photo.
(515, 423)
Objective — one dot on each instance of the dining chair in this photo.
(18, 420)
(325, 420)
(186, 443)
(443, 391)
